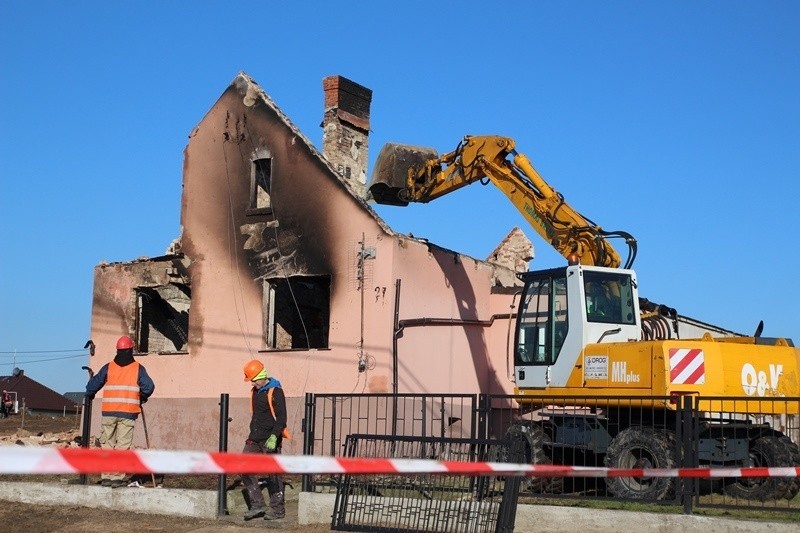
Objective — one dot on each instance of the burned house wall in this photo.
(313, 228)
(150, 297)
(455, 357)
(246, 227)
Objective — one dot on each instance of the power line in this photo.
(40, 351)
(46, 360)
(24, 356)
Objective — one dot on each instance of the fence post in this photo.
(307, 427)
(85, 434)
(507, 513)
(484, 405)
(688, 449)
(222, 508)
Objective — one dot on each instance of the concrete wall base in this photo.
(174, 502)
(318, 509)
(313, 508)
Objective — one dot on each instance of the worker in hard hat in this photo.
(126, 385)
(267, 431)
(6, 406)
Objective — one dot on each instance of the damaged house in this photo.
(281, 258)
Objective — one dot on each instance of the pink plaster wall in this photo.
(320, 226)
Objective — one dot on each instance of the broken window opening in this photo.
(260, 185)
(297, 312)
(163, 318)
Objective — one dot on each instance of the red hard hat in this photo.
(124, 343)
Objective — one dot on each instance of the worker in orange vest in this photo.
(126, 385)
(267, 431)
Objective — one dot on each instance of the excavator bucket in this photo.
(388, 181)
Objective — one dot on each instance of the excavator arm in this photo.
(405, 174)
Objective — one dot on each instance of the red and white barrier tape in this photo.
(19, 460)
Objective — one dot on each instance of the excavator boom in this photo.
(404, 174)
(597, 367)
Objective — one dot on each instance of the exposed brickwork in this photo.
(514, 252)
(345, 129)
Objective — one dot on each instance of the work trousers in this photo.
(274, 482)
(116, 434)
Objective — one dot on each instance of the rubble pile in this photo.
(22, 437)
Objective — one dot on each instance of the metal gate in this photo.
(427, 502)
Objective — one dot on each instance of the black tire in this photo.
(534, 439)
(642, 447)
(490, 486)
(794, 489)
(768, 451)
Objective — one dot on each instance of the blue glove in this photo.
(272, 443)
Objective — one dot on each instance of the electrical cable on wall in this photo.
(232, 246)
(246, 161)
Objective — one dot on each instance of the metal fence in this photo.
(751, 432)
(330, 418)
(625, 432)
(425, 502)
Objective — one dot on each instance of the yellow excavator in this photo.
(582, 343)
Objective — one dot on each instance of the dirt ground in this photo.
(62, 431)
(65, 519)
(35, 424)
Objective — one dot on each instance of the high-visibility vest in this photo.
(121, 391)
(285, 432)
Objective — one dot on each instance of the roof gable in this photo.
(252, 93)
(35, 395)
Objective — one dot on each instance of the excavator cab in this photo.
(563, 310)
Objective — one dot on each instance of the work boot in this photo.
(255, 512)
(276, 509)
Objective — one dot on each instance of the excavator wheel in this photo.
(534, 439)
(768, 451)
(492, 486)
(642, 447)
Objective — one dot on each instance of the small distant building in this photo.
(76, 397)
(36, 398)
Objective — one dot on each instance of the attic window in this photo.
(297, 312)
(260, 184)
(162, 319)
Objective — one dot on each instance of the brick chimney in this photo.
(345, 129)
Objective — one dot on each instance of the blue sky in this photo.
(678, 122)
